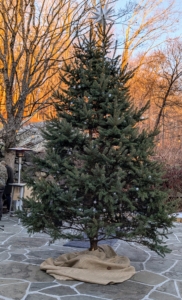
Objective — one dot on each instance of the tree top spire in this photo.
(103, 13)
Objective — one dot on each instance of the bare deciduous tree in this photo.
(34, 36)
(169, 80)
(148, 26)
(159, 80)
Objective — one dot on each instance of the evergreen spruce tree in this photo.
(102, 180)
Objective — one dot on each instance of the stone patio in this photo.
(21, 278)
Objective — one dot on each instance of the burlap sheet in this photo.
(102, 266)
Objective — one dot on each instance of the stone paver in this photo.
(34, 261)
(37, 286)
(17, 257)
(175, 272)
(39, 297)
(148, 278)
(127, 290)
(168, 287)
(59, 291)
(44, 254)
(132, 252)
(16, 290)
(159, 264)
(79, 297)
(137, 265)
(179, 285)
(156, 278)
(25, 242)
(162, 296)
(27, 272)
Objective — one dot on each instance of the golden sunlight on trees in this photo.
(34, 36)
(159, 80)
(148, 48)
(149, 22)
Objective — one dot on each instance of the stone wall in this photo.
(28, 137)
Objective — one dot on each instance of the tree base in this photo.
(102, 266)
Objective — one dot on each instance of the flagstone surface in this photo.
(156, 278)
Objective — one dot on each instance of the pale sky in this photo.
(178, 7)
(177, 31)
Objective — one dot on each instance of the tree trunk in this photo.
(10, 158)
(93, 244)
(9, 138)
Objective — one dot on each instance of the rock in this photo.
(158, 265)
(25, 242)
(148, 278)
(59, 290)
(180, 287)
(17, 270)
(36, 286)
(45, 254)
(175, 272)
(168, 287)
(127, 290)
(162, 296)
(39, 297)
(17, 257)
(16, 292)
(132, 252)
